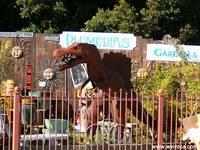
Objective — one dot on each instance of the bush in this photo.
(5, 58)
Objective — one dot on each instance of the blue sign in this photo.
(164, 52)
(119, 41)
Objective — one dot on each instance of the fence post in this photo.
(16, 119)
(160, 121)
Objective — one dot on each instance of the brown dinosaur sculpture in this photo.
(112, 72)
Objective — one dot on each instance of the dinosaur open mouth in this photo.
(67, 60)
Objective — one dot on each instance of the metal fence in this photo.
(103, 120)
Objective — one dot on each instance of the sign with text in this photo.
(118, 41)
(164, 52)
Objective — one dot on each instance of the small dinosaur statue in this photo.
(113, 71)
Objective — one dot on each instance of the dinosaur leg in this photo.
(118, 114)
(85, 83)
(141, 113)
(82, 86)
(95, 108)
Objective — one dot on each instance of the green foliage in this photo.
(10, 20)
(97, 23)
(43, 16)
(155, 19)
(5, 58)
(120, 19)
(190, 13)
(147, 18)
(175, 17)
(159, 17)
(182, 76)
(57, 15)
(171, 77)
(5, 61)
(188, 34)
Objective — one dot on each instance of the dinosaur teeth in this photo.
(73, 56)
(68, 58)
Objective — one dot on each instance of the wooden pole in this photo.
(16, 119)
(160, 121)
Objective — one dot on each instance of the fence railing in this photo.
(128, 120)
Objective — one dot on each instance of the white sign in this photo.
(118, 41)
(164, 52)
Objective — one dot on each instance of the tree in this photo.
(188, 34)
(170, 77)
(5, 57)
(54, 16)
(159, 18)
(43, 16)
(189, 21)
(120, 19)
(156, 19)
(10, 20)
(176, 17)
(152, 20)
(137, 4)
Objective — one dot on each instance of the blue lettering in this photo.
(98, 41)
(170, 54)
(70, 39)
(125, 43)
(160, 52)
(106, 42)
(157, 52)
(164, 54)
(175, 54)
(111, 43)
(116, 42)
(187, 55)
(90, 40)
(195, 55)
(79, 39)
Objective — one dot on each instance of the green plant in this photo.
(178, 82)
(183, 76)
(171, 77)
(5, 61)
(121, 18)
(5, 58)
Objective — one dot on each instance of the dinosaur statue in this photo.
(113, 71)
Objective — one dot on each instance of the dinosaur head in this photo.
(75, 54)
